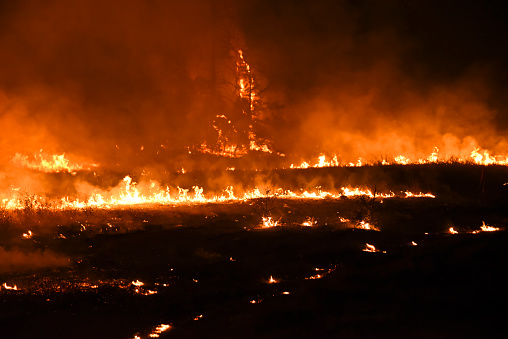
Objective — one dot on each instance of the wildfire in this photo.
(419, 195)
(27, 235)
(231, 142)
(269, 222)
(272, 280)
(371, 248)
(363, 225)
(476, 156)
(158, 330)
(49, 163)
(129, 192)
(309, 222)
(486, 228)
(452, 231)
(7, 287)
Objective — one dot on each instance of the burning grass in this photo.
(218, 261)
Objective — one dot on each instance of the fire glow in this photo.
(129, 194)
(372, 249)
(55, 163)
(476, 157)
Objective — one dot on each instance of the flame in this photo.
(227, 144)
(487, 228)
(452, 231)
(129, 192)
(49, 163)
(272, 280)
(371, 248)
(419, 195)
(269, 222)
(476, 156)
(309, 222)
(158, 330)
(27, 235)
(322, 273)
(363, 225)
(7, 287)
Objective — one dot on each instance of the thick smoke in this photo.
(127, 84)
(372, 79)
(110, 81)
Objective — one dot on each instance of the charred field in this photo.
(425, 266)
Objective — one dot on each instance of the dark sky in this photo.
(377, 69)
(356, 78)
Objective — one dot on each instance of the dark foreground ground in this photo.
(206, 271)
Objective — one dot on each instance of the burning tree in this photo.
(238, 111)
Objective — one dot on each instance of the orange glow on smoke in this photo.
(49, 163)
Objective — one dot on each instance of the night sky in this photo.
(357, 78)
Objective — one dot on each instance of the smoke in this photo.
(129, 85)
(16, 260)
(369, 79)
(110, 81)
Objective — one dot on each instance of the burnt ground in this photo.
(210, 265)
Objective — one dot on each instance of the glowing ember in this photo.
(322, 273)
(317, 276)
(487, 228)
(137, 283)
(363, 225)
(7, 287)
(149, 292)
(419, 195)
(309, 222)
(28, 235)
(158, 330)
(272, 280)
(371, 248)
(414, 243)
(269, 222)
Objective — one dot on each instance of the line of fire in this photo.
(180, 191)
